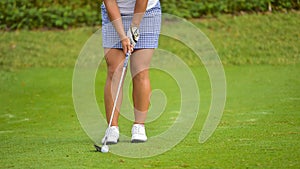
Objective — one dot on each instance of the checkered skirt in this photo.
(149, 29)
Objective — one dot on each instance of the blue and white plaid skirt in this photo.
(149, 29)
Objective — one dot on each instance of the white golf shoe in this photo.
(112, 134)
(138, 133)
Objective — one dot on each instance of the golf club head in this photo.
(103, 149)
(98, 148)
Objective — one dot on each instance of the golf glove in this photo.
(133, 34)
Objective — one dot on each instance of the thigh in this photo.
(140, 60)
(114, 58)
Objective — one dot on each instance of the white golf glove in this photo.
(133, 34)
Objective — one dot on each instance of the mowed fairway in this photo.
(260, 127)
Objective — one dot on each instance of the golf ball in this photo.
(104, 149)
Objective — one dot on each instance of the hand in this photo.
(133, 34)
(127, 46)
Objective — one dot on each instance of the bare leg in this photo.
(114, 60)
(139, 66)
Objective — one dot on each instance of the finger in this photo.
(131, 48)
(125, 49)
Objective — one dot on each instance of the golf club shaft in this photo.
(118, 92)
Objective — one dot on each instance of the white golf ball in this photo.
(104, 149)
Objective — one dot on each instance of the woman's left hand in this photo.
(133, 34)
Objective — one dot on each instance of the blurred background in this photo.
(31, 14)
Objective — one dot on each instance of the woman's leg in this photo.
(114, 60)
(139, 66)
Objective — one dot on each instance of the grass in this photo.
(260, 125)
(247, 39)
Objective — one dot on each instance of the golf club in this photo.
(105, 147)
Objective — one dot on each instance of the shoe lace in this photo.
(137, 129)
(112, 133)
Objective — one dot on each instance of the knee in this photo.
(141, 77)
(113, 71)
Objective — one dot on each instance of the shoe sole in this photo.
(111, 142)
(138, 141)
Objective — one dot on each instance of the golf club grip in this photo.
(126, 59)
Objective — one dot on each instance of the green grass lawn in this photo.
(260, 127)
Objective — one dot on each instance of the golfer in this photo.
(129, 26)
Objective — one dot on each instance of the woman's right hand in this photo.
(127, 46)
